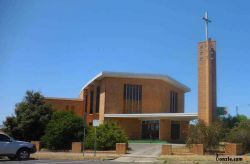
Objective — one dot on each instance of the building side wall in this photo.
(155, 95)
(76, 106)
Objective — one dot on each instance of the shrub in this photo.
(107, 135)
(63, 129)
(241, 134)
(209, 136)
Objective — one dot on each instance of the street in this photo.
(34, 161)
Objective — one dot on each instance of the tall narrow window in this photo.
(86, 103)
(132, 96)
(91, 102)
(97, 99)
(173, 102)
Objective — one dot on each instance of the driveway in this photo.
(142, 152)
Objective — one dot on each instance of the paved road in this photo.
(57, 162)
(143, 153)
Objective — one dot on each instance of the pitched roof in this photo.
(165, 78)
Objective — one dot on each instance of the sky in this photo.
(56, 46)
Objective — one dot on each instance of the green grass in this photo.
(147, 141)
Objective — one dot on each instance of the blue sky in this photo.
(56, 46)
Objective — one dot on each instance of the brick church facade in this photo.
(146, 106)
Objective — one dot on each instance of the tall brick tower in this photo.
(207, 78)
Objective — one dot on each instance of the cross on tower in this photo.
(205, 18)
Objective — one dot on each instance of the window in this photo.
(173, 102)
(91, 102)
(132, 96)
(97, 99)
(72, 107)
(4, 138)
(86, 104)
(67, 107)
(212, 54)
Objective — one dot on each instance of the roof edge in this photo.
(139, 75)
(59, 98)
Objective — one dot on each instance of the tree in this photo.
(63, 129)
(108, 134)
(232, 121)
(209, 136)
(241, 134)
(30, 118)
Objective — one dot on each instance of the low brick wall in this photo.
(121, 148)
(166, 149)
(37, 145)
(197, 149)
(233, 149)
(76, 147)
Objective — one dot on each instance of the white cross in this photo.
(205, 18)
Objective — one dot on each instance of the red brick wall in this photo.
(75, 105)
(233, 149)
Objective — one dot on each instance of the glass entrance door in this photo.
(150, 129)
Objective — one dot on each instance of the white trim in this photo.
(165, 78)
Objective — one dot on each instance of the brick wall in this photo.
(166, 149)
(165, 130)
(233, 149)
(121, 148)
(155, 95)
(75, 105)
(37, 145)
(76, 147)
(197, 149)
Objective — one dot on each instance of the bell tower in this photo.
(207, 77)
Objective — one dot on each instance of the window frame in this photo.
(9, 139)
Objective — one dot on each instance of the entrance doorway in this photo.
(175, 130)
(150, 129)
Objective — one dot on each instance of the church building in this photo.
(146, 106)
